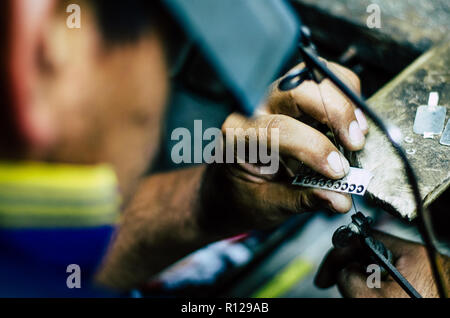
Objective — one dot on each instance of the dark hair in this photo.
(126, 21)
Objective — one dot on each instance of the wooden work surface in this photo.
(397, 103)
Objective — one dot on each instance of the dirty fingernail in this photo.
(338, 163)
(361, 118)
(355, 134)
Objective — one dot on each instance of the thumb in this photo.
(334, 262)
(352, 283)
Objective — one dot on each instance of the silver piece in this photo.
(355, 182)
(430, 119)
(445, 138)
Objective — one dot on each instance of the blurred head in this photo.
(91, 95)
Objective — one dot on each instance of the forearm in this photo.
(164, 222)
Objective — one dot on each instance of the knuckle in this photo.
(323, 118)
(354, 80)
(347, 107)
(342, 113)
(322, 145)
(338, 109)
(342, 106)
(347, 111)
(274, 121)
(304, 201)
(232, 121)
(298, 204)
(350, 77)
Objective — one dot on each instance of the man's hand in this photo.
(341, 267)
(267, 199)
(174, 213)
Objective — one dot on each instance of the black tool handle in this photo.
(398, 277)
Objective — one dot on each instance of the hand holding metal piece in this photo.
(360, 228)
(316, 70)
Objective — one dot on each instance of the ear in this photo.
(27, 21)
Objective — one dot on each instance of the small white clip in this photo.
(433, 100)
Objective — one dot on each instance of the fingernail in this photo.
(355, 134)
(361, 118)
(339, 202)
(338, 163)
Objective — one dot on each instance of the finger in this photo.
(346, 75)
(326, 104)
(339, 258)
(352, 283)
(333, 263)
(279, 104)
(295, 140)
(276, 201)
(297, 200)
(341, 267)
(304, 199)
(337, 202)
(352, 80)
